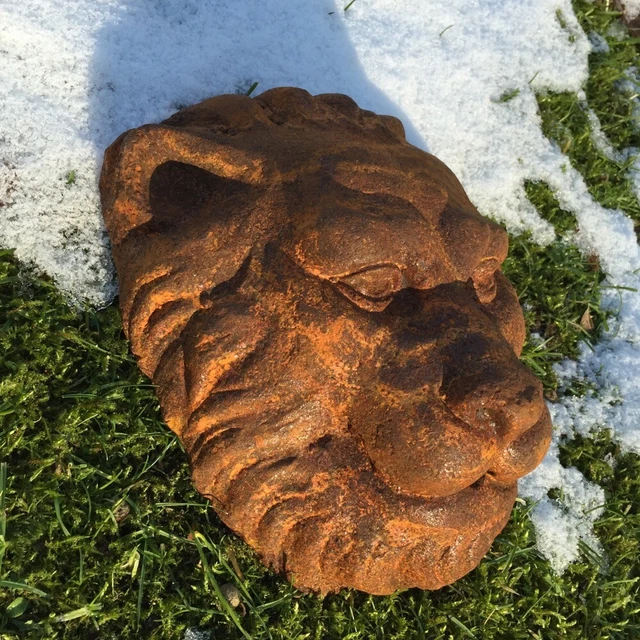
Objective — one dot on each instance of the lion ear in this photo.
(132, 159)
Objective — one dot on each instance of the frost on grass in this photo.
(462, 76)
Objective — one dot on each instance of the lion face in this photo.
(323, 312)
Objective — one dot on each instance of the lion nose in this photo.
(452, 402)
(504, 393)
(485, 384)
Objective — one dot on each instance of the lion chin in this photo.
(323, 313)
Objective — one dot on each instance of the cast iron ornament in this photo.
(323, 312)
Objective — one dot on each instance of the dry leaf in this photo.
(586, 322)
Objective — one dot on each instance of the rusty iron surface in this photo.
(323, 312)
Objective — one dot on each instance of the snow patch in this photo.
(564, 521)
(76, 74)
(193, 633)
(612, 369)
(631, 9)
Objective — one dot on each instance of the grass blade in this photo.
(83, 612)
(199, 539)
(10, 584)
(3, 514)
(143, 564)
(56, 504)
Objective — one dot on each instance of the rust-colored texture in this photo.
(323, 312)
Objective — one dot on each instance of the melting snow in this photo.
(631, 8)
(75, 74)
(598, 43)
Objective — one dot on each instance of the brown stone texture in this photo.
(323, 312)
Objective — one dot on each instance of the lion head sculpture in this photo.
(322, 310)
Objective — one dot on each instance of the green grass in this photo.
(556, 286)
(102, 534)
(105, 534)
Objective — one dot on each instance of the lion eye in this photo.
(375, 282)
(372, 288)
